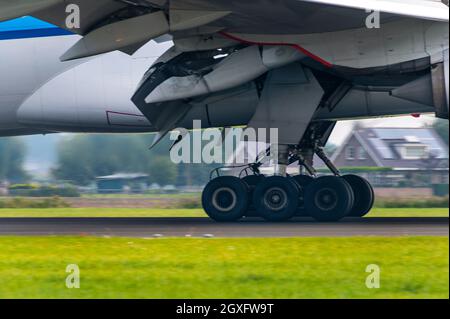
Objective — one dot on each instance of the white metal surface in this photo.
(425, 9)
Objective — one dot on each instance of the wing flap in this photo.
(126, 34)
(13, 9)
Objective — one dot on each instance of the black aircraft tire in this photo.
(329, 199)
(364, 195)
(225, 199)
(276, 198)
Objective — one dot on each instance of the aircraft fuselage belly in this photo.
(40, 94)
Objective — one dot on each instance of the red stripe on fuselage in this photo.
(296, 46)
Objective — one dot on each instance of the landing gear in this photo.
(226, 199)
(280, 197)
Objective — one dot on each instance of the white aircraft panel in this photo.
(424, 9)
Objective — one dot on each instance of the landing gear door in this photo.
(289, 100)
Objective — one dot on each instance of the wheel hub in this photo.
(276, 199)
(224, 199)
(326, 199)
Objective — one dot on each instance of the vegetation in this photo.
(82, 158)
(409, 212)
(12, 154)
(411, 267)
(31, 190)
(163, 171)
(436, 202)
(150, 194)
(190, 203)
(197, 212)
(17, 202)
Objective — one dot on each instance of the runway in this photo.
(202, 227)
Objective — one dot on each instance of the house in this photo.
(413, 157)
(122, 183)
(388, 157)
(3, 188)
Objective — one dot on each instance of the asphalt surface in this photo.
(202, 227)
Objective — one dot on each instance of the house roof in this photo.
(382, 144)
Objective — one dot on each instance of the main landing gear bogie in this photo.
(278, 199)
(281, 197)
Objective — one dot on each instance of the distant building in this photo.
(387, 157)
(3, 188)
(122, 183)
(413, 157)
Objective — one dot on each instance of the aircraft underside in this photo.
(303, 99)
(297, 66)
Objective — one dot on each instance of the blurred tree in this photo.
(162, 171)
(12, 155)
(194, 174)
(442, 127)
(330, 148)
(82, 158)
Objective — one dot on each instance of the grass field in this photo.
(142, 212)
(145, 196)
(411, 267)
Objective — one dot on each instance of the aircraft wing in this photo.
(109, 25)
(423, 9)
